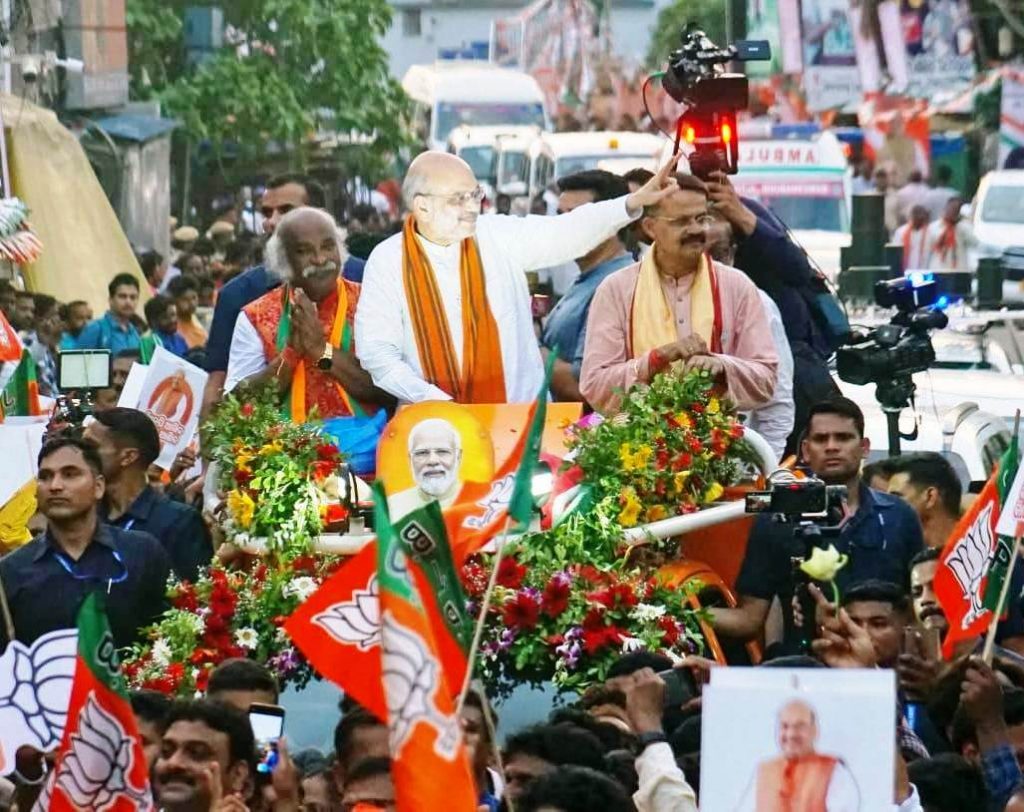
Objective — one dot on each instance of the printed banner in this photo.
(908, 48)
(1011, 120)
(171, 394)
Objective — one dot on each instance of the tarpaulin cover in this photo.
(84, 245)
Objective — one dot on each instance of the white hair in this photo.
(414, 185)
(275, 255)
(435, 424)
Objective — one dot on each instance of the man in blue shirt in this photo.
(128, 444)
(47, 579)
(162, 316)
(881, 534)
(283, 193)
(76, 316)
(566, 327)
(115, 331)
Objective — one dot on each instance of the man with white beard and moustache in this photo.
(435, 454)
(678, 309)
(300, 335)
(445, 307)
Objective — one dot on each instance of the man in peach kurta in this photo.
(677, 309)
(800, 779)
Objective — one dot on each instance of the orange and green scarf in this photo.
(482, 377)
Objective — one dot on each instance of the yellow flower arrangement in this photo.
(655, 513)
(631, 507)
(714, 407)
(241, 507)
(684, 420)
(634, 460)
(274, 447)
(679, 481)
(242, 461)
(713, 493)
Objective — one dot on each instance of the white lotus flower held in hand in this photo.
(93, 773)
(410, 685)
(247, 638)
(355, 622)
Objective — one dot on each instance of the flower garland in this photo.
(674, 447)
(568, 604)
(278, 477)
(237, 613)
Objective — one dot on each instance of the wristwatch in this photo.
(325, 361)
(651, 737)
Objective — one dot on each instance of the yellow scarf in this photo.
(653, 319)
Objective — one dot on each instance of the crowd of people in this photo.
(925, 219)
(673, 274)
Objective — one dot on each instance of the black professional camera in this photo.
(696, 77)
(798, 500)
(902, 347)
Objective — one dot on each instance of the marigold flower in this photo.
(242, 508)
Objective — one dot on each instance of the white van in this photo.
(514, 166)
(997, 214)
(555, 155)
(448, 94)
(806, 183)
(482, 148)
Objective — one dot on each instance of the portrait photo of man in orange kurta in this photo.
(800, 779)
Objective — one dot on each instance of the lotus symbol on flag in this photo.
(35, 688)
(969, 562)
(355, 622)
(94, 772)
(411, 681)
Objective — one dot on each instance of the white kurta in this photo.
(774, 420)
(509, 246)
(956, 260)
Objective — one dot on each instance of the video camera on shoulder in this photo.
(796, 500)
(80, 374)
(696, 76)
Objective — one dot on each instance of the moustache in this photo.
(175, 776)
(319, 270)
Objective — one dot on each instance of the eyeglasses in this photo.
(461, 198)
(701, 220)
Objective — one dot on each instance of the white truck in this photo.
(806, 183)
(555, 155)
(447, 94)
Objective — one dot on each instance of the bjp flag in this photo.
(100, 763)
(429, 763)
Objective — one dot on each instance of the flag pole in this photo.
(478, 631)
(990, 638)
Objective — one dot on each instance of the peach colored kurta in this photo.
(747, 349)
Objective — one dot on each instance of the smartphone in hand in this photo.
(267, 723)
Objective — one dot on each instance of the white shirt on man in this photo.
(509, 246)
(774, 420)
(918, 246)
(957, 259)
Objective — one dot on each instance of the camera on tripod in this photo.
(902, 347)
(696, 76)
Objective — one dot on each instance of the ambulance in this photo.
(806, 183)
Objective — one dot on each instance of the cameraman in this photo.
(780, 268)
(880, 533)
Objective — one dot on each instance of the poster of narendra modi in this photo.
(432, 451)
(800, 740)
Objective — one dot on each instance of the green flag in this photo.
(1005, 475)
(520, 506)
(21, 395)
(424, 538)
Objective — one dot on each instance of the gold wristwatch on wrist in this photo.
(326, 361)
